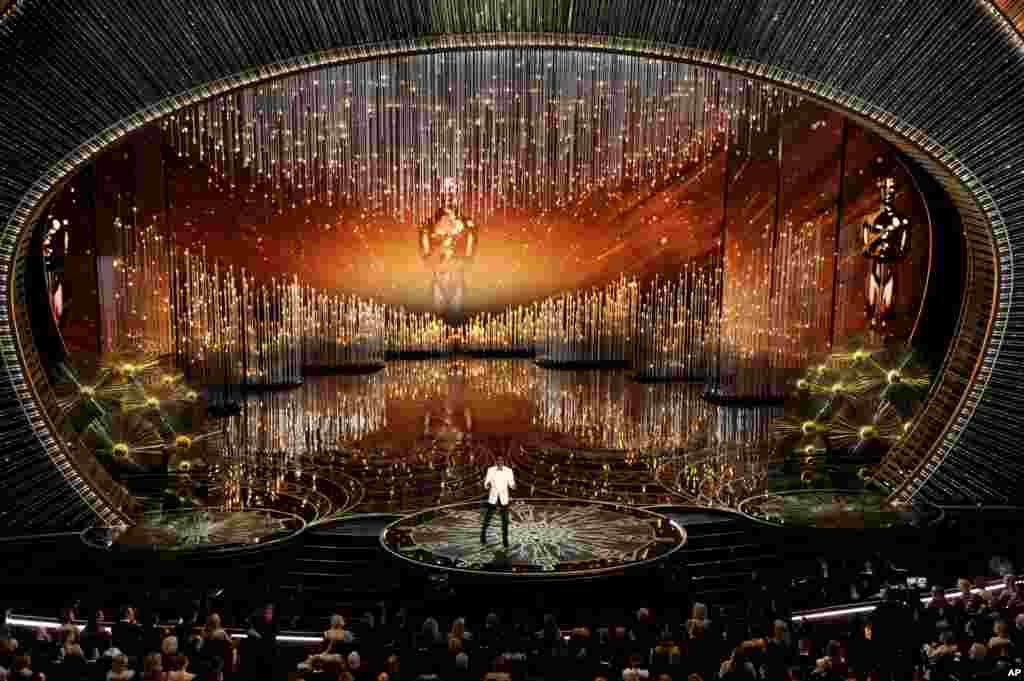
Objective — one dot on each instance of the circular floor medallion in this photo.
(547, 538)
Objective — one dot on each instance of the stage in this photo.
(563, 538)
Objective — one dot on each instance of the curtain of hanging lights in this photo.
(341, 330)
(512, 128)
(594, 325)
(234, 331)
(142, 265)
(529, 128)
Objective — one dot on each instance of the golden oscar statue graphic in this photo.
(448, 244)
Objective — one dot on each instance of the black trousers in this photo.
(488, 514)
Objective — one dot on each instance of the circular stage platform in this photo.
(548, 538)
(198, 529)
(837, 509)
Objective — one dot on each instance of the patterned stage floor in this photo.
(547, 537)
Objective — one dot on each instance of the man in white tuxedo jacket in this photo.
(499, 481)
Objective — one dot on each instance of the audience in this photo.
(964, 638)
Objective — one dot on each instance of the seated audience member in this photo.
(5, 627)
(458, 631)
(432, 648)
(214, 655)
(22, 670)
(169, 653)
(95, 639)
(977, 665)
(1011, 598)
(462, 670)
(739, 666)
(337, 632)
(659, 654)
(152, 668)
(945, 646)
(636, 669)
(837, 653)
(490, 636)
(268, 626)
(69, 635)
(393, 667)
(187, 630)
(1017, 633)
(8, 650)
(73, 667)
(1001, 661)
(317, 671)
(778, 653)
(354, 662)
(128, 634)
(824, 671)
(152, 633)
(549, 637)
(700, 656)
(969, 601)
(579, 652)
(252, 655)
(938, 600)
(180, 672)
(941, 656)
(699, 613)
(119, 670)
(645, 630)
(1000, 634)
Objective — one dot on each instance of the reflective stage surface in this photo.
(837, 509)
(420, 434)
(198, 528)
(551, 537)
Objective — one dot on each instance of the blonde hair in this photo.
(337, 622)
